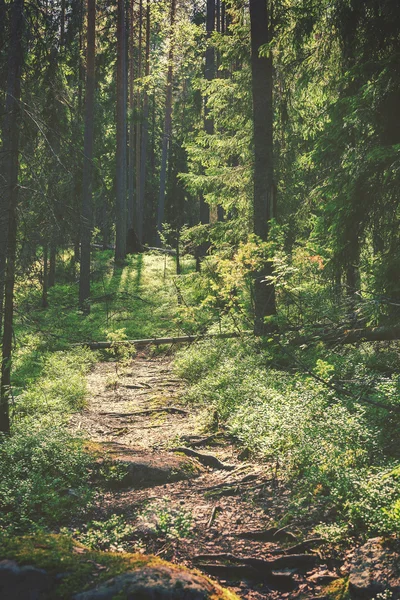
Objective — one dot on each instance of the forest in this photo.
(199, 299)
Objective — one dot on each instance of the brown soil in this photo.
(255, 501)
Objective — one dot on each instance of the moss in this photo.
(338, 590)
(81, 568)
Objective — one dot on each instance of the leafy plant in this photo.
(163, 519)
(113, 534)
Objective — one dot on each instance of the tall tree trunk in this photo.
(86, 214)
(45, 275)
(131, 147)
(145, 129)
(261, 69)
(121, 208)
(138, 211)
(208, 122)
(52, 264)
(167, 127)
(8, 204)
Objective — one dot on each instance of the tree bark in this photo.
(138, 215)
(52, 264)
(261, 69)
(167, 127)
(131, 148)
(8, 204)
(121, 220)
(145, 130)
(86, 214)
(45, 282)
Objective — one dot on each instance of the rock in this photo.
(147, 469)
(375, 568)
(22, 583)
(154, 583)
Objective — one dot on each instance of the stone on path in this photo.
(375, 569)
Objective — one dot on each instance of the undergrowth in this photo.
(339, 454)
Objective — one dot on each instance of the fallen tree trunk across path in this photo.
(183, 339)
(346, 336)
(353, 336)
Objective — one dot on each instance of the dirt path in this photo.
(247, 499)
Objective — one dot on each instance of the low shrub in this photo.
(335, 449)
(44, 477)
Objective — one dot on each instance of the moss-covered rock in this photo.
(72, 570)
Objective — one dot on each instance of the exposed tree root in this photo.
(206, 459)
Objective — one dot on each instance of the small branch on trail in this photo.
(228, 484)
(213, 515)
(147, 411)
(206, 459)
(136, 386)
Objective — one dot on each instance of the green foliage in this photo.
(44, 477)
(113, 535)
(59, 389)
(164, 520)
(335, 451)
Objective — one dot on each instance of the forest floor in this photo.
(221, 508)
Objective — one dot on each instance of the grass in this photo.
(139, 296)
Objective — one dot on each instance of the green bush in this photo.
(334, 449)
(44, 477)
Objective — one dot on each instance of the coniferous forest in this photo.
(200, 299)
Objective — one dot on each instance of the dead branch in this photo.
(147, 411)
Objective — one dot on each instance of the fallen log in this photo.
(209, 460)
(345, 336)
(169, 251)
(353, 336)
(183, 339)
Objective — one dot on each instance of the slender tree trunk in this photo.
(86, 214)
(167, 127)
(52, 264)
(121, 208)
(8, 204)
(62, 23)
(131, 149)
(45, 281)
(261, 68)
(208, 121)
(145, 129)
(138, 216)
